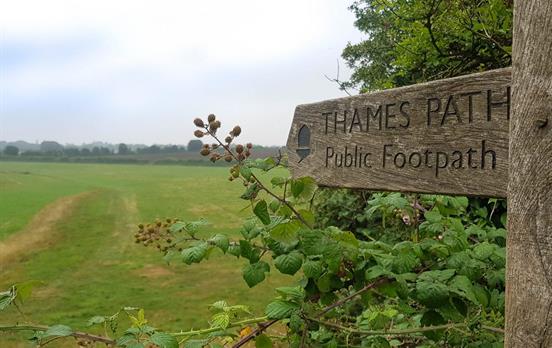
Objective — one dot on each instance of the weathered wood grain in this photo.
(529, 243)
(467, 114)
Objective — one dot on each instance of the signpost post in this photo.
(485, 134)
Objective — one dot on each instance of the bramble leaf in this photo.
(281, 309)
(289, 263)
(261, 211)
(164, 340)
(221, 241)
(254, 273)
(195, 253)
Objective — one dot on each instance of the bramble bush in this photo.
(371, 269)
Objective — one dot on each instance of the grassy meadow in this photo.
(71, 226)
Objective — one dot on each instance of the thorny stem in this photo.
(399, 332)
(214, 329)
(262, 187)
(252, 335)
(76, 334)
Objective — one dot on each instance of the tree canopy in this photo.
(415, 41)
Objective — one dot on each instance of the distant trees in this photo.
(158, 149)
(194, 145)
(11, 150)
(123, 149)
(51, 147)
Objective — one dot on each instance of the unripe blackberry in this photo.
(211, 118)
(230, 178)
(214, 158)
(236, 131)
(204, 152)
(247, 153)
(228, 140)
(235, 173)
(241, 157)
(199, 133)
(199, 122)
(228, 158)
(141, 226)
(239, 148)
(217, 124)
(249, 145)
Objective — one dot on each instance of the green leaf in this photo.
(289, 263)
(164, 340)
(245, 172)
(59, 331)
(281, 309)
(96, 320)
(221, 320)
(312, 269)
(177, 227)
(484, 250)
(324, 282)
(278, 181)
(286, 233)
(431, 289)
(297, 187)
(263, 341)
(7, 297)
(261, 211)
(234, 250)
(274, 205)
(376, 272)
(221, 241)
(292, 293)
(431, 318)
(195, 253)
(463, 287)
(251, 192)
(303, 188)
(254, 273)
(196, 343)
(296, 322)
(251, 253)
(433, 216)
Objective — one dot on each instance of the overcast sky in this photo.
(140, 71)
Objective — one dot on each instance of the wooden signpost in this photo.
(448, 136)
(486, 134)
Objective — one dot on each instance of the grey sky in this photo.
(140, 71)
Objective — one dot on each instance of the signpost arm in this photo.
(529, 245)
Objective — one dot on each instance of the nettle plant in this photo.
(440, 285)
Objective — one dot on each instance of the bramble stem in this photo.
(76, 334)
(399, 332)
(263, 187)
(214, 329)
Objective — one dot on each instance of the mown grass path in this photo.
(86, 255)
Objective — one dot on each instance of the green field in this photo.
(72, 226)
